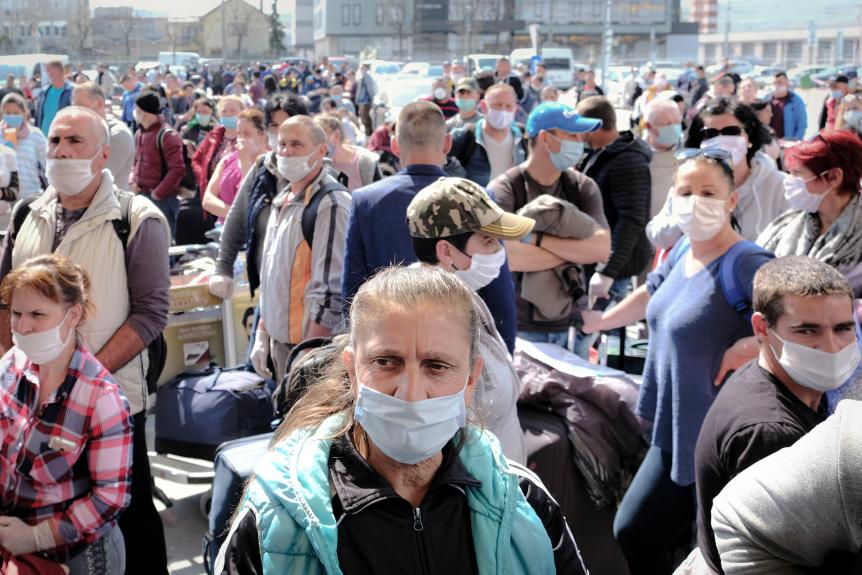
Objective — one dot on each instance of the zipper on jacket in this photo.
(417, 520)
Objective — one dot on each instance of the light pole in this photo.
(607, 46)
(223, 31)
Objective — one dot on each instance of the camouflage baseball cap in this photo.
(452, 206)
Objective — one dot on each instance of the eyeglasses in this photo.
(715, 154)
(709, 133)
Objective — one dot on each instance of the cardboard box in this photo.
(190, 292)
(235, 336)
(194, 340)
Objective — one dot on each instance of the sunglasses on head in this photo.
(709, 133)
(715, 154)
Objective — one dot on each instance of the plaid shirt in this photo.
(69, 459)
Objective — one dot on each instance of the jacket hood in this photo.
(628, 143)
(763, 169)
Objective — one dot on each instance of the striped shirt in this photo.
(31, 154)
(70, 458)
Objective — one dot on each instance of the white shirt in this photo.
(500, 154)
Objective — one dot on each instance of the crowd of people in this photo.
(495, 208)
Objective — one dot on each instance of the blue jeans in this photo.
(170, 207)
(653, 514)
(560, 338)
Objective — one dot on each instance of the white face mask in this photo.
(797, 195)
(736, 146)
(138, 116)
(853, 118)
(701, 218)
(409, 431)
(70, 176)
(294, 168)
(439, 93)
(500, 119)
(815, 369)
(42, 347)
(484, 268)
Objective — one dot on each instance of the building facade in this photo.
(235, 30)
(826, 46)
(129, 34)
(299, 26)
(50, 26)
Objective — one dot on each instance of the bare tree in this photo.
(393, 14)
(239, 17)
(126, 24)
(79, 32)
(30, 15)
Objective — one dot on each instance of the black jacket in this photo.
(621, 171)
(379, 532)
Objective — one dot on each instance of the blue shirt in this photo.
(378, 236)
(129, 103)
(691, 325)
(50, 107)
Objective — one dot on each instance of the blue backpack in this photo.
(728, 267)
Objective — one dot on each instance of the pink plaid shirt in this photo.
(70, 458)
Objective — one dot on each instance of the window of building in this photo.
(794, 52)
(345, 15)
(849, 49)
(824, 52)
(770, 51)
(748, 48)
(709, 52)
(357, 14)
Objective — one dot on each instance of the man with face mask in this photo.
(789, 116)
(467, 100)
(159, 166)
(495, 143)
(556, 135)
(804, 326)
(301, 295)
(839, 87)
(442, 97)
(663, 133)
(90, 95)
(74, 217)
(619, 163)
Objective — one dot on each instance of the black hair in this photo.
(287, 103)
(760, 105)
(269, 85)
(485, 80)
(758, 135)
(249, 312)
(780, 75)
(426, 248)
(724, 167)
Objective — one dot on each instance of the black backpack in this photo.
(157, 350)
(303, 372)
(309, 213)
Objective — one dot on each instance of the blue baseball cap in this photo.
(553, 115)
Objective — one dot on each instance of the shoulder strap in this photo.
(467, 145)
(729, 278)
(20, 211)
(571, 187)
(123, 226)
(309, 214)
(160, 140)
(519, 187)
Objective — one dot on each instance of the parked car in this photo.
(476, 63)
(741, 67)
(559, 63)
(801, 75)
(380, 68)
(763, 75)
(616, 85)
(393, 93)
(822, 78)
(422, 69)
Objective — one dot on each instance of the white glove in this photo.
(221, 286)
(600, 287)
(18, 537)
(260, 353)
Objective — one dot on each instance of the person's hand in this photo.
(735, 357)
(260, 353)
(592, 321)
(221, 286)
(600, 287)
(17, 537)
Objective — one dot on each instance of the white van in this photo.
(187, 59)
(29, 65)
(559, 62)
(476, 63)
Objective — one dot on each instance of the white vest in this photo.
(92, 243)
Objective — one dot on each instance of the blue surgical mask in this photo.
(229, 122)
(570, 154)
(837, 94)
(669, 135)
(203, 119)
(13, 120)
(466, 104)
(337, 99)
(410, 431)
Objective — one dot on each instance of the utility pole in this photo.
(727, 33)
(607, 46)
(223, 32)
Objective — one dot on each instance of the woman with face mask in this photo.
(29, 145)
(228, 175)
(219, 142)
(202, 123)
(825, 220)
(65, 430)
(696, 337)
(358, 164)
(379, 466)
(469, 246)
(729, 125)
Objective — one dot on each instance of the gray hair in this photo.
(660, 108)
(91, 89)
(795, 276)
(318, 136)
(420, 126)
(416, 288)
(82, 111)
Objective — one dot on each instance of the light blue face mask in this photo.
(837, 94)
(409, 431)
(466, 104)
(229, 122)
(669, 136)
(13, 120)
(203, 119)
(570, 154)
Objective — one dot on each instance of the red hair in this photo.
(831, 149)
